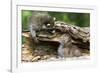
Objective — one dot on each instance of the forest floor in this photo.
(44, 51)
(30, 55)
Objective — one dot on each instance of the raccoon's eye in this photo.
(53, 31)
(43, 26)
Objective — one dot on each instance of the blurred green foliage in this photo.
(23, 39)
(78, 19)
(25, 18)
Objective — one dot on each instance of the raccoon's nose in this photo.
(48, 24)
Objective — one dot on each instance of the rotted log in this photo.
(74, 37)
(80, 35)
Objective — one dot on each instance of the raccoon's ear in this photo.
(54, 18)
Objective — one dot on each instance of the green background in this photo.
(78, 19)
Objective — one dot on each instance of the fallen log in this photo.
(74, 37)
(80, 35)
